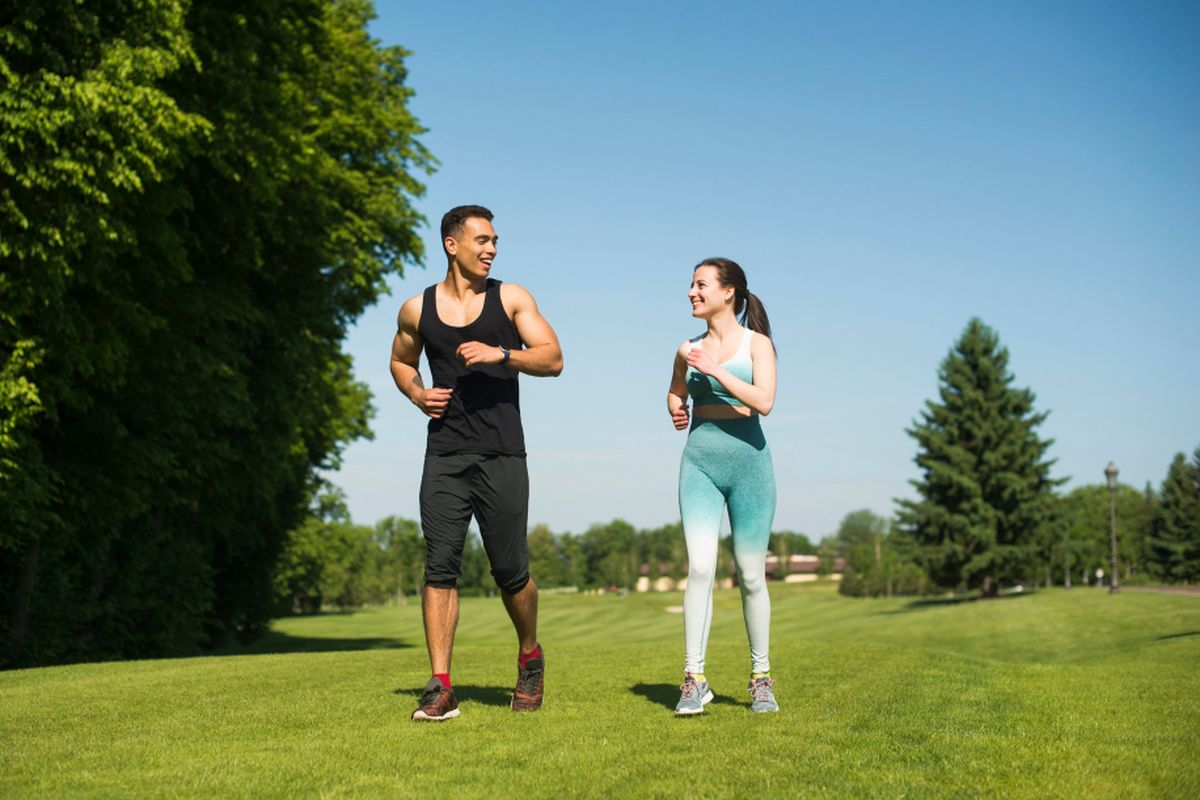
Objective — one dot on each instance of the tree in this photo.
(861, 527)
(829, 551)
(195, 201)
(609, 556)
(1173, 549)
(545, 557)
(403, 550)
(667, 551)
(574, 562)
(329, 560)
(880, 570)
(1082, 537)
(985, 485)
(785, 544)
(877, 563)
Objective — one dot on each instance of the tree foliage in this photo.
(876, 561)
(195, 200)
(985, 485)
(861, 527)
(1079, 539)
(1173, 552)
(329, 562)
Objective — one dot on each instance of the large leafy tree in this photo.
(195, 200)
(1081, 536)
(1173, 551)
(985, 485)
(610, 555)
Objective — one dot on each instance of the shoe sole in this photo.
(765, 710)
(688, 712)
(523, 709)
(421, 716)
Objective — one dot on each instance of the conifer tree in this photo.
(1174, 547)
(985, 486)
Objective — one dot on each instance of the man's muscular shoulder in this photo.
(410, 313)
(515, 298)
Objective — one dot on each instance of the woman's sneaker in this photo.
(762, 695)
(693, 695)
(437, 703)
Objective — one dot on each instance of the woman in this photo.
(729, 372)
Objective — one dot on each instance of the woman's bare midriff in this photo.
(721, 412)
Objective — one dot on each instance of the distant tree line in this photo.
(329, 562)
(988, 513)
(196, 199)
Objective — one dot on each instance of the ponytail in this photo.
(754, 315)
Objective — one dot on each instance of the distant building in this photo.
(799, 569)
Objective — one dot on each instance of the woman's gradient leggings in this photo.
(726, 463)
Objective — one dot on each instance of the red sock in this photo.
(536, 652)
(444, 677)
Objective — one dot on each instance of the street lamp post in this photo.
(1114, 584)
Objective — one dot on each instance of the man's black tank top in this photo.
(484, 415)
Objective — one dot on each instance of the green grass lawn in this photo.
(1053, 694)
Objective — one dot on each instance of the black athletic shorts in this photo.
(493, 488)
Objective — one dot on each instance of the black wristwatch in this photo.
(507, 353)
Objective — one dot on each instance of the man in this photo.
(477, 334)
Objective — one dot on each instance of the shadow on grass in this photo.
(938, 602)
(466, 693)
(276, 642)
(1177, 635)
(667, 694)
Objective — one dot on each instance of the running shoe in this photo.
(528, 694)
(762, 695)
(693, 695)
(437, 703)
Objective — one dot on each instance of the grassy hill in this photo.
(1060, 694)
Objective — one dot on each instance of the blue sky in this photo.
(883, 172)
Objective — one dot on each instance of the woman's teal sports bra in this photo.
(707, 391)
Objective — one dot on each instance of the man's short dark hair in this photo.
(452, 220)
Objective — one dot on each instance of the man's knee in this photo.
(511, 580)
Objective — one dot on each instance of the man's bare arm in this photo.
(406, 358)
(542, 356)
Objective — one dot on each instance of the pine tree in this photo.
(1174, 547)
(985, 485)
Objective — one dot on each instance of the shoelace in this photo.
(430, 697)
(690, 688)
(527, 680)
(761, 691)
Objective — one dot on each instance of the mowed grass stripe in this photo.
(1058, 694)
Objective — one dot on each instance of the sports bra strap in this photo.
(744, 347)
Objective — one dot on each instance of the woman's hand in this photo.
(680, 417)
(701, 361)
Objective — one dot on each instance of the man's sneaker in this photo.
(437, 703)
(528, 694)
(693, 695)
(762, 695)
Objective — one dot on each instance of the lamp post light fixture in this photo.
(1114, 584)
